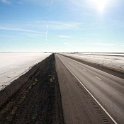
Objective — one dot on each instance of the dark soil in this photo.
(34, 98)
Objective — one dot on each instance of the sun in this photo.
(100, 5)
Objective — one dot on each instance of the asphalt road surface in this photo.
(89, 95)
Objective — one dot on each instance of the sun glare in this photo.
(100, 5)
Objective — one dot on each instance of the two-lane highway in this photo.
(105, 89)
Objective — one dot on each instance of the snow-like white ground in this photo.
(13, 65)
(111, 60)
(102, 53)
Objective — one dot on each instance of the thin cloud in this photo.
(64, 36)
(46, 32)
(41, 2)
(19, 30)
(64, 26)
(53, 25)
(58, 25)
(41, 28)
(65, 43)
(6, 1)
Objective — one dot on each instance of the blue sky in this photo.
(61, 25)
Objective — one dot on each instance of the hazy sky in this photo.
(62, 25)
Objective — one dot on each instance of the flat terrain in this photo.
(61, 90)
(13, 65)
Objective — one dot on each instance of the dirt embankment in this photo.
(34, 98)
(112, 71)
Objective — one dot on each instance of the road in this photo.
(83, 88)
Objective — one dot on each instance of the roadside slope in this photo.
(33, 98)
(13, 65)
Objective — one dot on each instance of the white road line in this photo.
(98, 78)
(92, 95)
